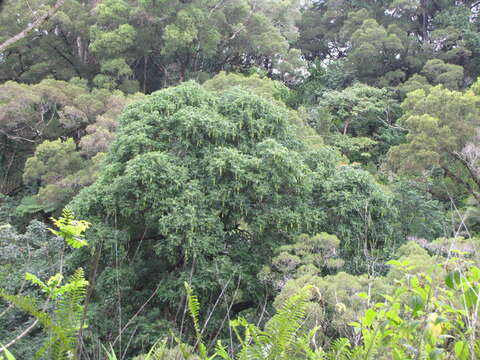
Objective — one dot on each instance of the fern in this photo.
(158, 351)
(221, 351)
(68, 316)
(280, 339)
(194, 310)
(340, 350)
(282, 329)
(110, 353)
(29, 305)
(63, 324)
(70, 229)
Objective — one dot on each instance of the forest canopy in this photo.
(219, 179)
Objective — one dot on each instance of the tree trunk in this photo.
(145, 66)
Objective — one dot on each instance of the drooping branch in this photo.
(36, 24)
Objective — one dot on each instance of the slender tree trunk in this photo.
(183, 71)
(345, 127)
(82, 50)
(145, 64)
(165, 76)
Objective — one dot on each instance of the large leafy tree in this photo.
(442, 126)
(361, 110)
(203, 186)
(56, 48)
(59, 171)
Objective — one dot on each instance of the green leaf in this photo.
(363, 295)
(7, 353)
(414, 282)
(393, 316)
(35, 280)
(474, 274)
(394, 263)
(461, 350)
(388, 298)
(453, 279)
(416, 303)
(370, 315)
(471, 297)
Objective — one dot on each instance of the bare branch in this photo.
(23, 334)
(36, 24)
(135, 315)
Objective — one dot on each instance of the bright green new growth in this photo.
(70, 229)
(63, 324)
(442, 129)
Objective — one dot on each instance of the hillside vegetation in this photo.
(239, 179)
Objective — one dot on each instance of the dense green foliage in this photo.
(318, 160)
(211, 185)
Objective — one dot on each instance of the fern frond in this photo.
(221, 351)
(110, 353)
(340, 350)
(69, 312)
(157, 351)
(70, 229)
(29, 305)
(193, 309)
(284, 325)
(303, 345)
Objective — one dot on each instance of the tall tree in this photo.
(203, 186)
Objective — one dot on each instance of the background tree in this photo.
(54, 111)
(436, 137)
(359, 120)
